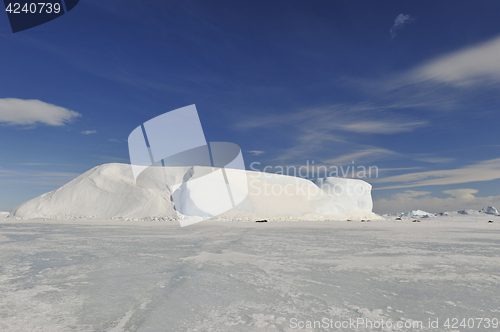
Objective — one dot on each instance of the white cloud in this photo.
(460, 199)
(348, 117)
(484, 171)
(463, 67)
(399, 22)
(256, 152)
(398, 169)
(89, 132)
(382, 127)
(462, 193)
(360, 156)
(318, 131)
(411, 194)
(31, 112)
(436, 160)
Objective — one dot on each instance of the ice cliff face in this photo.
(109, 191)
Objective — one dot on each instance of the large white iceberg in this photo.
(109, 191)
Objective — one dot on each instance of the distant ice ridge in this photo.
(3, 215)
(109, 191)
(422, 214)
(489, 210)
(486, 210)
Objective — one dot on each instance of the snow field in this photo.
(97, 275)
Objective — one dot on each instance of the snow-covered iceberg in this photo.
(109, 191)
(106, 191)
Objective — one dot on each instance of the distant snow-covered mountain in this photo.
(489, 210)
(486, 210)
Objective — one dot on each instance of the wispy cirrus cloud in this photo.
(432, 88)
(42, 178)
(435, 160)
(256, 152)
(453, 82)
(89, 132)
(463, 67)
(23, 112)
(487, 170)
(361, 117)
(382, 127)
(411, 194)
(392, 169)
(315, 130)
(399, 23)
(436, 81)
(459, 199)
(371, 154)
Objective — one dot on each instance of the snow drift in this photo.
(109, 191)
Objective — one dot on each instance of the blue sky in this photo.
(408, 86)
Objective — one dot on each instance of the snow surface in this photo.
(109, 191)
(3, 214)
(95, 275)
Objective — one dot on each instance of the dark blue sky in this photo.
(288, 81)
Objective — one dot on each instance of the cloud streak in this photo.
(31, 112)
(469, 67)
(256, 152)
(381, 127)
(44, 178)
(436, 87)
(318, 131)
(399, 23)
(464, 67)
(484, 171)
(370, 154)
